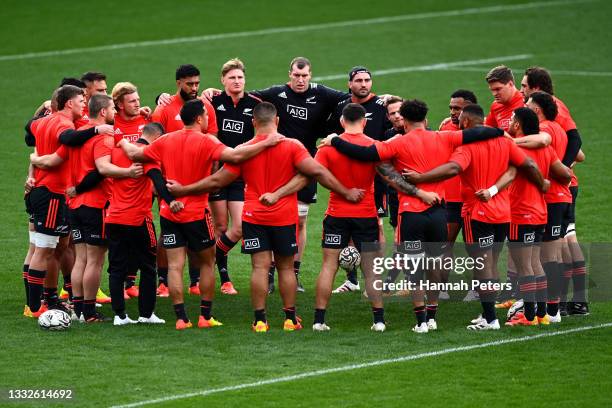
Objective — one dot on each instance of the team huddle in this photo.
(100, 161)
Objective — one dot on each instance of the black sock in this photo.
(487, 299)
(319, 316)
(121, 313)
(431, 311)
(26, 267)
(206, 308)
(271, 272)
(296, 268)
(379, 314)
(260, 316)
(290, 314)
(162, 276)
(77, 301)
(50, 296)
(541, 295)
(179, 310)
(488, 311)
(552, 308)
(566, 276)
(351, 276)
(421, 315)
(130, 281)
(68, 286)
(89, 308)
(194, 276)
(223, 246)
(527, 290)
(35, 283)
(553, 277)
(579, 280)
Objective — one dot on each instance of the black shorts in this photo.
(279, 239)
(424, 231)
(308, 195)
(195, 235)
(28, 208)
(453, 212)
(480, 235)
(571, 211)
(525, 234)
(87, 226)
(557, 221)
(48, 212)
(393, 206)
(338, 231)
(381, 197)
(131, 247)
(231, 192)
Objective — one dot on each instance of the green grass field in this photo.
(108, 366)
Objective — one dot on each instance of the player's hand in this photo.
(273, 139)
(71, 192)
(428, 197)
(326, 141)
(164, 99)
(268, 199)
(135, 170)
(145, 111)
(208, 93)
(509, 136)
(411, 176)
(483, 195)
(105, 130)
(176, 206)
(29, 184)
(545, 186)
(444, 122)
(355, 195)
(175, 188)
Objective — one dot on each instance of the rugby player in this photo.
(485, 222)
(187, 155)
(95, 83)
(168, 115)
(269, 228)
(528, 219)
(234, 110)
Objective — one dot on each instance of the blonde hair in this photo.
(121, 89)
(234, 63)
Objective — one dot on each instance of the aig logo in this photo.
(529, 238)
(252, 243)
(297, 112)
(556, 231)
(332, 239)
(485, 242)
(169, 239)
(232, 126)
(412, 245)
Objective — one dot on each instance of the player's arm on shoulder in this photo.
(479, 133)
(108, 169)
(134, 152)
(357, 152)
(395, 180)
(298, 182)
(206, 185)
(46, 161)
(310, 167)
(248, 150)
(536, 141)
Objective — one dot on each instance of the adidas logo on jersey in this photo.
(118, 131)
(221, 108)
(380, 102)
(283, 95)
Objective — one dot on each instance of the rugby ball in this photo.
(349, 258)
(54, 320)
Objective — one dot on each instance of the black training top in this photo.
(235, 122)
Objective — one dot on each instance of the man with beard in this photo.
(360, 85)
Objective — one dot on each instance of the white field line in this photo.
(429, 67)
(352, 367)
(304, 28)
(552, 71)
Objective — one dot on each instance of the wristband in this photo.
(493, 190)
